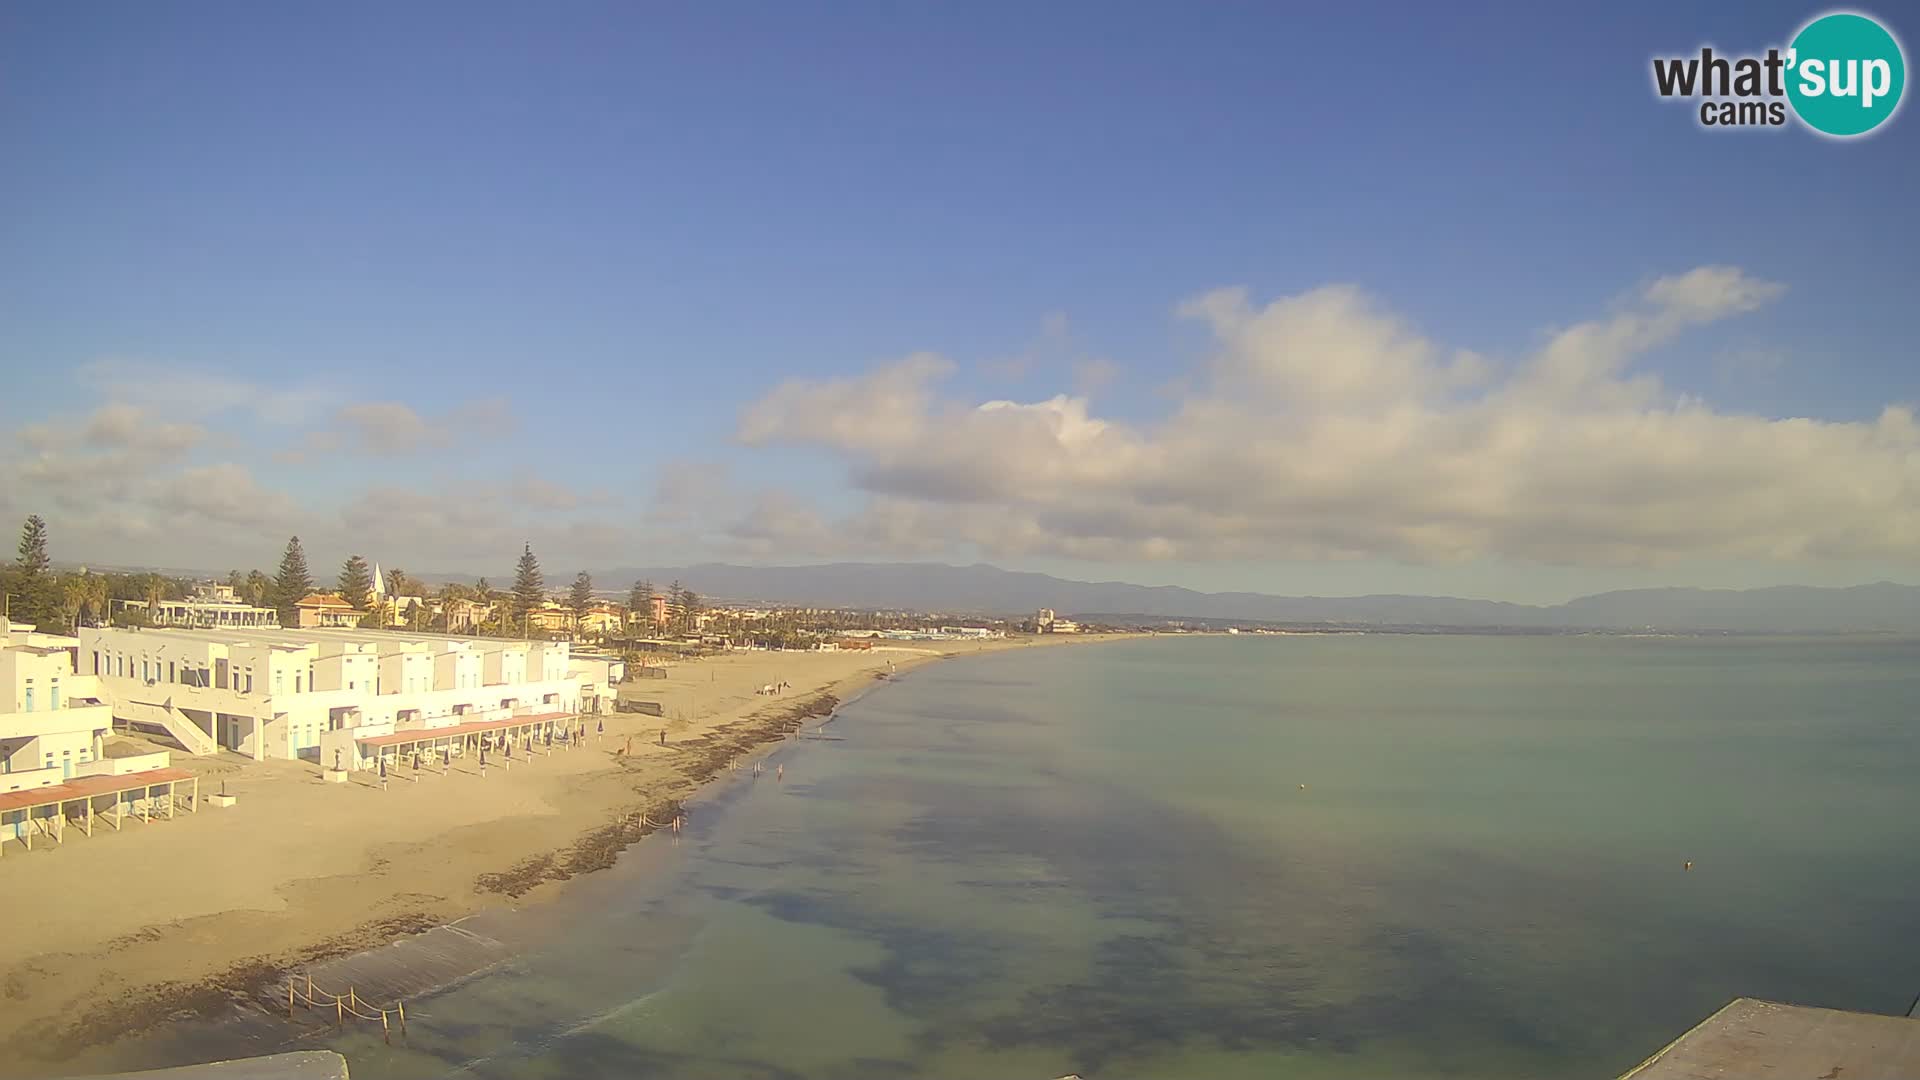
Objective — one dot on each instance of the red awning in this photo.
(454, 731)
(87, 787)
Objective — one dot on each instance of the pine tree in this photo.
(31, 580)
(529, 588)
(580, 597)
(674, 610)
(293, 583)
(356, 583)
(639, 597)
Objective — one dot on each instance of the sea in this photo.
(1306, 856)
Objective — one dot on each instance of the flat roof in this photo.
(476, 727)
(1750, 1037)
(298, 637)
(87, 787)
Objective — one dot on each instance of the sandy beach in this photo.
(124, 930)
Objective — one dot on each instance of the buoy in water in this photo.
(1688, 865)
(1303, 787)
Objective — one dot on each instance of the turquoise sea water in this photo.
(1102, 860)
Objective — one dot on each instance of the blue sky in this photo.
(597, 235)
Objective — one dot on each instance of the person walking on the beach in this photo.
(663, 736)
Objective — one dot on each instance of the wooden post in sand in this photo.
(402, 1006)
(289, 999)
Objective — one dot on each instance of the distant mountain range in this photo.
(989, 590)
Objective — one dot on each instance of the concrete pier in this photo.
(300, 1065)
(1793, 1042)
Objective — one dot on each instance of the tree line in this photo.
(61, 601)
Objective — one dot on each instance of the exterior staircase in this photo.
(176, 724)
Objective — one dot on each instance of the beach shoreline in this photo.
(301, 871)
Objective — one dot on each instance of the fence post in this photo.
(402, 1006)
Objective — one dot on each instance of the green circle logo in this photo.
(1845, 74)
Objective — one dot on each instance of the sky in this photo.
(1370, 298)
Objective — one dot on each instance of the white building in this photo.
(313, 692)
(211, 605)
(52, 721)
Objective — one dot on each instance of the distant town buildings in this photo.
(319, 610)
(552, 619)
(1046, 622)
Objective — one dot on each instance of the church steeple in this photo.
(379, 583)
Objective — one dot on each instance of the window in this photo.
(170, 675)
(278, 685)
(29, 707)
(53, 695)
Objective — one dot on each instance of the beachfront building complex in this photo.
(52, 720)
(318, 693)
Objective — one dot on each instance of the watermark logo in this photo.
(1842, 75)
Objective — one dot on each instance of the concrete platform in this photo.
(300, 1065)
(1750, 1038)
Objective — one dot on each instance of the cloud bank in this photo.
(1322, 426)
(1316, 426)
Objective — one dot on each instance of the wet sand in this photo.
(119, 932)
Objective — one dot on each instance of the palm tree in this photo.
(156, 589)
(257, 587)
(96, 598)
(74, 593)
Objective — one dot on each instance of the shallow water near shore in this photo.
(1348, 856)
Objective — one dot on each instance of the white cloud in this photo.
(1324, 426)
(115, 426)
(872, 411)
(224, 495)
(187, 394)
(394, 428)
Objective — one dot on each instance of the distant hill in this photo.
(989, 590)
